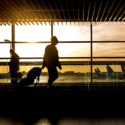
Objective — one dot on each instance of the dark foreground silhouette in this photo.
(14, 66)
(51, 60)
(33, 74)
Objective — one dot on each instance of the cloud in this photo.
(109, 49)
(109, 33)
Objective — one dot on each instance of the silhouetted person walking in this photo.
(14, 66)
(51, 60)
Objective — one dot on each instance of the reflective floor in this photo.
(62, 108)
(65, 121)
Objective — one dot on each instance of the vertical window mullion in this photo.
(13, 36)
(51, 28)
(91, 50)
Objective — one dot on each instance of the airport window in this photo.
(64, 49)
(5, 33)
(108, 31)
(33, 33)
(4, 50)
(77, 31)
(30, 49)
(74, 49)
(108, 41)
(90, 33)
(75, 57)
(74, 74)
(109, 49)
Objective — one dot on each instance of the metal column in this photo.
(13, 36)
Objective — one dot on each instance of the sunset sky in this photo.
(70, 32)
(74, 32)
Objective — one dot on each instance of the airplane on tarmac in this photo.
(109, 70)
(99, 75)
(122, 77)
(112, 74)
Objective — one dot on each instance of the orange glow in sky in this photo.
(73, 32)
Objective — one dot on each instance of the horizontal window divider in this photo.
(48, 42)
(71, 63)
(42, 58)
(67, 42)
(63, 57)
(108, 57)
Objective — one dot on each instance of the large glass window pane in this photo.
(109, 31)
(30, 49)
(78, 31)
(77, 73)
(74, 74)
(109, 49)
(24, 69)
(74, 49)
(4, 72)
(64, 49)
(5, 33)
(32, 33)
(108, 74)
(4, 50)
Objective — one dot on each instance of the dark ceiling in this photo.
(25, 11)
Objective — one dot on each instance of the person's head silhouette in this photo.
(12, 51)
(54, 40)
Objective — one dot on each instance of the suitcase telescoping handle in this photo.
(36, 82)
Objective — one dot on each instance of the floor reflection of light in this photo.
(10, 121)
(40, 121)
(4, 119)
(48, 121)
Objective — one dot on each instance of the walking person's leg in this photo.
(53, 75)
(14, 78)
